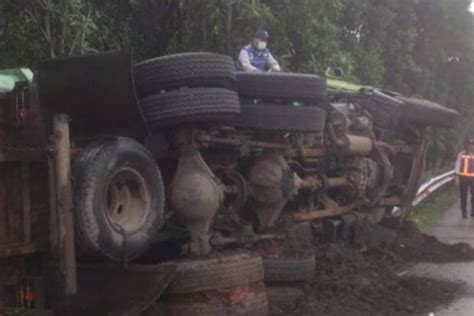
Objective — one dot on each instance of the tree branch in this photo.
(65, 18)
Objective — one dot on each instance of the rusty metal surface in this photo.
(271, 183)
(26, 199)
(338, 182)
(391, 201)
(53, 215)
(314, 152)
(207, 140)
(11, 229)
(113, 290)
(23, 208)
(96, 91)
(359, 145)
(332, 209)
(18, 249)
(11, 154)
(195, 198)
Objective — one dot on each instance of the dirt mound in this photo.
(414, 246)
(363, 280)
(351, 282)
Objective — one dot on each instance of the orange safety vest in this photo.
(467, 166)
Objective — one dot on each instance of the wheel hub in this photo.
(128, 200)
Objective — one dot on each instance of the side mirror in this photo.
(334, 72)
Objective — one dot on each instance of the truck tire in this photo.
(119, 199)
(224, 271)
(271, 117)
(428, 113)
(387, 108)
(284, 297)
(190, 106)
(245, 302)
(184, 70)
(289, 269)
(284, 86)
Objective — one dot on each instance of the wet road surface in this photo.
(451, 228)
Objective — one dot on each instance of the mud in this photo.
(414, 246)
(356, 280)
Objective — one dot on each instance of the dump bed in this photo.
(96, 91)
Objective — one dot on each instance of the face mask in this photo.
(261, 45)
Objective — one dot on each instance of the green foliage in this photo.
(418, 47)
(39, 29)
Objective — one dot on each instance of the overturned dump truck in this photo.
(103, 162)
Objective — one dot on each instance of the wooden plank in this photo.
(17, 250)
(25, 184)
(64, 202)
(53, 214)
(23, 155)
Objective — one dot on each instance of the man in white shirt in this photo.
(256, 56)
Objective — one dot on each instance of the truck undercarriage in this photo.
(176, 151)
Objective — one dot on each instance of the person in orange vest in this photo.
(465, 176)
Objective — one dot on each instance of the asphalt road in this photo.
(451, 228)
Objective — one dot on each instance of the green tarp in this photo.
(9, 77)
(342, 85)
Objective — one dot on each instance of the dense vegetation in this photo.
(418, 47)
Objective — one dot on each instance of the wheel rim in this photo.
(127, 200)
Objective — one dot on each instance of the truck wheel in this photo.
(190, 106)
(289, 269)
(284, 297)
(119, 199)
(220, 272)
(388, 107)
(285, 86)
(427, 112)
(234, 302)
(273, 117)
(184, 70)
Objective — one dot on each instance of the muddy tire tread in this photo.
(256, 305)
(189, 106)
(284, 297)
(216, 273)
(289, 269)
(87, 168)
(285, 86)
(275, 117)
(199, 69)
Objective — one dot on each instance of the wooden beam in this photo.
(64, 202)
(25, 192)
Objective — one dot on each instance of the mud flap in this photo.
(114, 290)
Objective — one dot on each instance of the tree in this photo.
(50, 28)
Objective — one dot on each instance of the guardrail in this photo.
(428, 188)
(432, 185)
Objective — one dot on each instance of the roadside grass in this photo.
(429, 212)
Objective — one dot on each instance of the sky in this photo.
(472, 7)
